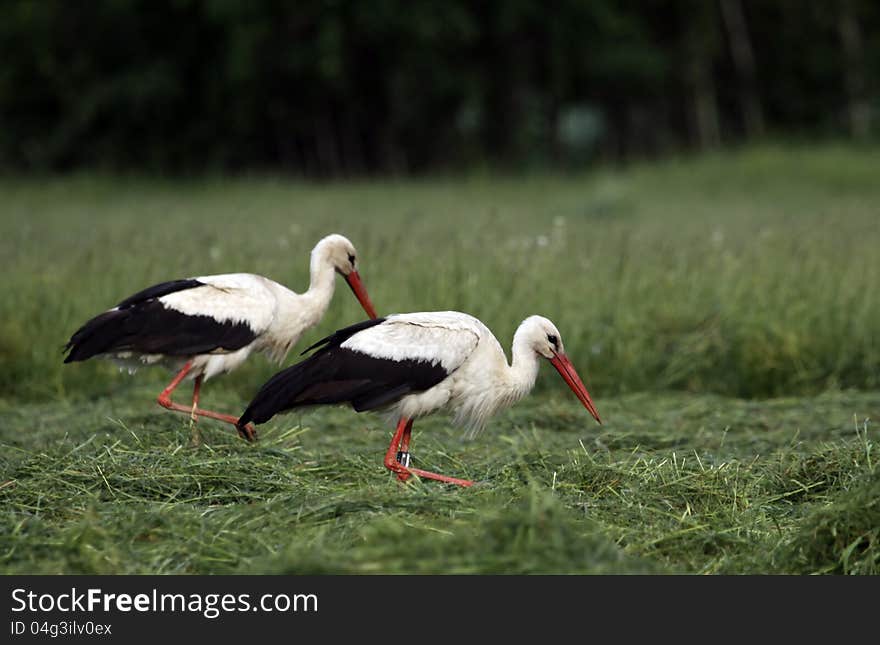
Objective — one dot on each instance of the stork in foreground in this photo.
(410, 365)
(205, 326)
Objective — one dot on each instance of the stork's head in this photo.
(338, 252)
(541, 335)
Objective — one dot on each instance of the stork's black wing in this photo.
(143, 324)
(336, 374)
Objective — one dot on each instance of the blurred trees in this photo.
(328, 87)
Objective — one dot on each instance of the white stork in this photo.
(209, 325)
(410, 365)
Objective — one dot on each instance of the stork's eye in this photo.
(553, 340)
(351, 259)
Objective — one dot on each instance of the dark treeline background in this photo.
(329, 88)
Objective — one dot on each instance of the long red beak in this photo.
(567, 371)
(354, 281)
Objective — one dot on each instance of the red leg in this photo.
(404, 441)
(400, 447)
(391, 462)
(441, 478)
(165, 397)
(165, 401)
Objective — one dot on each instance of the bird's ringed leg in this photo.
(393, 456)
(403, 450)
(165, 401)
(391, 462)
(403, 457)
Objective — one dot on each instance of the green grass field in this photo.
(723, 311)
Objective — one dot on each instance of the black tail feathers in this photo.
(273, 396)
(96, 336)
(297, 386)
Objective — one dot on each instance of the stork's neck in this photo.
(504, 384)
(321, 284)
(523, 369)
(298, 313)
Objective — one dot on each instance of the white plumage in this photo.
(479, 380)
(238, 297)
(444, 338)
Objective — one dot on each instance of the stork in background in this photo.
(410, 365)
(209, 325)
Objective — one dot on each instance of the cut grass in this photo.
(677, 288)
(672, 484)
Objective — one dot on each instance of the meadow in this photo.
(723, 312)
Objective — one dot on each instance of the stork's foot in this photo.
(398, 459)
(247, 432)
(401, 466)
